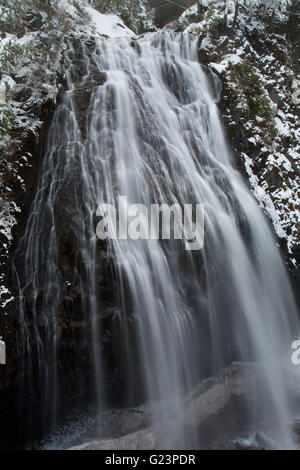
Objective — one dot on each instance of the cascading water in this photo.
(152, 133)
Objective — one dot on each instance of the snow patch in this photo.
(282, 129)
(7, 219)
(228, 59)
(109, 25)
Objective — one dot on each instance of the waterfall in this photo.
(162, 316)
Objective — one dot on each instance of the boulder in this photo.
(167, 11)
(209, 399)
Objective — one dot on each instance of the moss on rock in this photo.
(252, 98)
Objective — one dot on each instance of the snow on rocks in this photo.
(29, 64)
(111, 25)
(228, 60)
(260, 100)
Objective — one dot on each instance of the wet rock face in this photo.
(10, 373)
(83, 95)
(32, 86)
(75, 326)
(85, 81)
(70, 227)
(71, 322)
